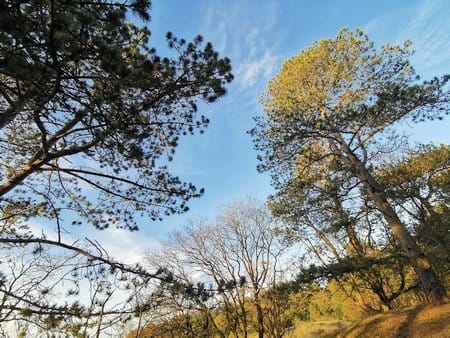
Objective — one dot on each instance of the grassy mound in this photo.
(419, 322)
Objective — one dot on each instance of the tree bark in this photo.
(260, 317)
(431, 284)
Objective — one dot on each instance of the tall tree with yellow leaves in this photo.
(329, 117)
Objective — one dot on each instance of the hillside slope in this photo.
(419, 322)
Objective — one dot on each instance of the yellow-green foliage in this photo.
(326, 78)
(425, 176)
(311, 311)
(433, 161)
(333, 302)
(339, 301)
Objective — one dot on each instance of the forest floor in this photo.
(417, 322)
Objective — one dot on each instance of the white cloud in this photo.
(426, 25)
(430, 32)
(123, 245)
(252, 70)
(250, 45)
(250, 39)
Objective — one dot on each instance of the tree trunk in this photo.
(431, 284)
(260, 317)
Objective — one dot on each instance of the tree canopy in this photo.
(328, 126)
(90, 117)
(87, 103)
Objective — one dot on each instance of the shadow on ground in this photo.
(419, 322)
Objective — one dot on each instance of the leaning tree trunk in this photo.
(432, 285)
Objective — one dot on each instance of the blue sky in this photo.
(257, 36)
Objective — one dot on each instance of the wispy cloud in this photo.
(426, 25)
(252, 71)
(250, 45)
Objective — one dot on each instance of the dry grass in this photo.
(316, 329)
(419, 322)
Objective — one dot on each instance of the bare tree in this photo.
(76, 290)
(237, 256)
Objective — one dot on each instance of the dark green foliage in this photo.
(90, 117)
(86, 100)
